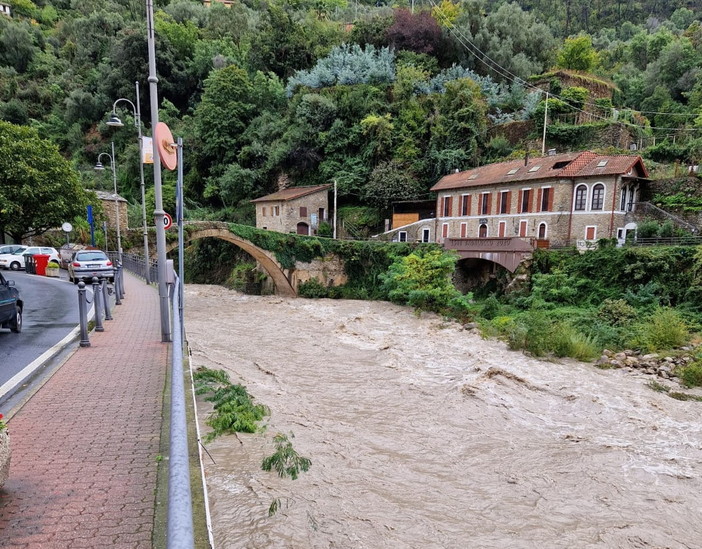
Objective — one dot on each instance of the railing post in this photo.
(83, 315)
(118, 275)
(97, 301)
(121, 282)
(106, 299)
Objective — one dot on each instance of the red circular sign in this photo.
(167, 221)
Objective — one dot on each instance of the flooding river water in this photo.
(424, 435)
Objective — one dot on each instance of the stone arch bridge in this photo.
(508, 253)
(265, 258)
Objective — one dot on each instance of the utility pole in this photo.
(543, 141)
(335, 209)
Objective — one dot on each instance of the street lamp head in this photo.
(114, 121)
(99, 166)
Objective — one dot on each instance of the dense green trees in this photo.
(310, 91)
(38, 188)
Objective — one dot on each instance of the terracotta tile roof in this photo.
(291, 193)
(566, 165)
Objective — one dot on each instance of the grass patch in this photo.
(691, 375)
(658, 387)
(685, 397)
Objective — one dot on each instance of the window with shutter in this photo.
(598, 197)
(523, 225)
(580, 198)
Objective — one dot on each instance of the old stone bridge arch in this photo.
(269, 264)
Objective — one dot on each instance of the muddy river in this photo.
(423, 435)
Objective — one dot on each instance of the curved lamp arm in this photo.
(108, 155)
(135, 111)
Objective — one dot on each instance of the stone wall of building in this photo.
(109, 208)
(284, 215)
(560, 227)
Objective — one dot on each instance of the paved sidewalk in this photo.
(84, 447)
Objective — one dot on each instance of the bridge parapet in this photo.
(507, 252)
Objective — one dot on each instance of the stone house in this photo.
(107, 200)
(293, 210)
(552, 201)
(5, 9)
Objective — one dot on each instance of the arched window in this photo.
(597, 197)
(580, 197)
(482, 233)
(542, 231)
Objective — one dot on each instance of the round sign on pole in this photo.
(166, 146)
(167, 221)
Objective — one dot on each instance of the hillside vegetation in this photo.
(377, 97)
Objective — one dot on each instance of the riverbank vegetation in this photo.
(382, 99)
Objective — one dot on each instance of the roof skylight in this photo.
(513, 171)
(534, 169)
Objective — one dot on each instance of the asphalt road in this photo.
(50, 316)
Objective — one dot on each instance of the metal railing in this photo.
(654, 211)
(667, 241)
(137, 265)
(179, 526)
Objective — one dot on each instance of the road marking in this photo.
(27, 370)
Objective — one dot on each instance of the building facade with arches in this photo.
(557, 200)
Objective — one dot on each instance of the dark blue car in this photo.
(11, 305)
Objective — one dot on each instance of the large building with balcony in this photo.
(550, 201)
(561, 199)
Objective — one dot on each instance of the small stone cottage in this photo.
(108, 199)
(297, 210)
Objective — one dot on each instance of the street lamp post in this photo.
(99, 166)
(159, 214)
(116, 122)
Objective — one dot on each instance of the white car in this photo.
(17, 260)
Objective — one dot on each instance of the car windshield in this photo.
(91, 256)
(19, 252)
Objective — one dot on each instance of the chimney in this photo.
(283, 181)
(526, 158)
(552, 152)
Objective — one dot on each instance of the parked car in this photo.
(11, 305)
(17, 260)
(10, 248)
(6, 257)
(85, 264)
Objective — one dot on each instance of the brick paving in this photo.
(85, 446)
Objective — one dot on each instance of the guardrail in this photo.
(179, 525)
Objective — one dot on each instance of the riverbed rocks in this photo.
(651, 363)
